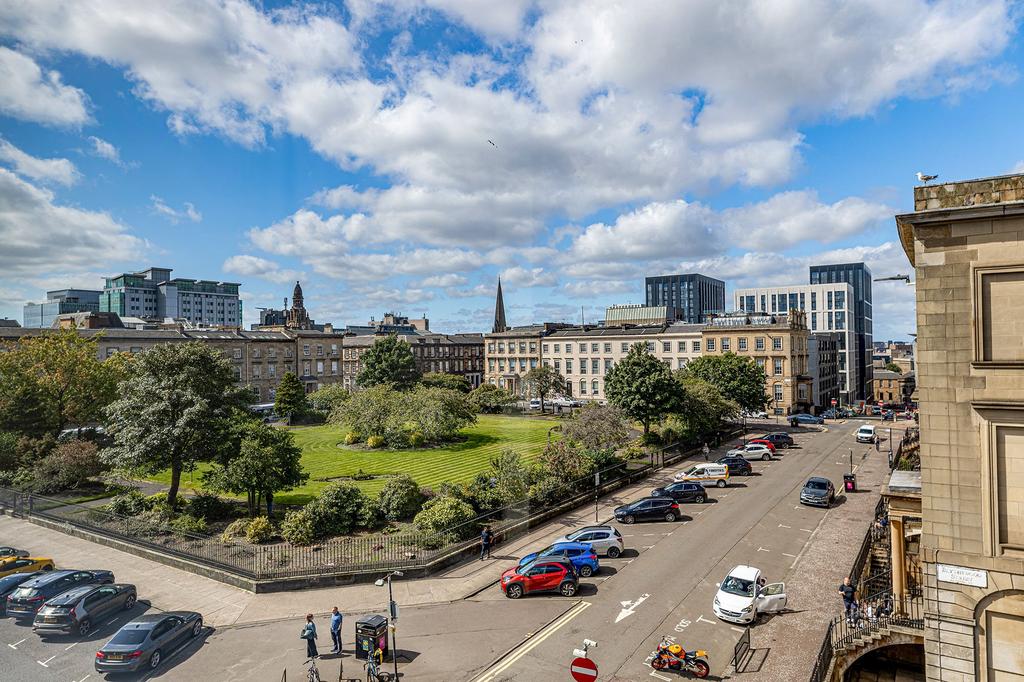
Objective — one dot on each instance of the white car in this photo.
(756, 414)
(741, 599)
(604, 539)
(535, 404)
(866, 434)
(752, 451)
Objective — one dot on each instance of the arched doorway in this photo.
(889, 663)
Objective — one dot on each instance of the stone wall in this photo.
(970, 193)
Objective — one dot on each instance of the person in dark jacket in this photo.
(849, 592)
(309, 634)
(486, 538)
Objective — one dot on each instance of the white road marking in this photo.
(43, 663)
(110, 622)
(685, 522)
(784, 526)
(807, 530)
(789, 555)
(762, 549)
(739, 630)
(15, 645)
(647, 535)
(702, 619)
(85, 678)
(629, 607)
(647, 546)
(660, 677)
(69, 647)
(630, 561)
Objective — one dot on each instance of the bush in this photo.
(351, 438)
(375, 442)
(400, 498)
(186, 523)
(416, 439)
(297, 528)
(235, 529)
(131, 503)
(337, 510)
(446, 514)
(160, 500)
(259, 529)
(9, 458)
(371, 516)
(209, 506)
(68, 466)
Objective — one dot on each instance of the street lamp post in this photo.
(393, 615)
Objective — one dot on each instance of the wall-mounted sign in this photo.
(962, 575)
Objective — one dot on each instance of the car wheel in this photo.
(586, 571)
(154, 660)
(84, 627)
(567, 589)
(197, 628)
(129, 602)
(628, 519)
(614, 552)
(670, 517)
(701, 499)
(514, 591)
(721, 483)
(766, 456)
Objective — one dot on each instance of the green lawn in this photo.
(324, 456)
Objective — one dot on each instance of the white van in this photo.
(707, 475)
(866, 434)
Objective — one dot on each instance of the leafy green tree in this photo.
(738, 378)
(327, 398)
(446, 515)
(439, 413)
(597, 427)
(641, 385)
(567, 463)
(445, 380)
(69, 465)
(174, 406)
(388, 361)
(702, 407)
(893, 367)
(510, 478)
(543, 381)
(435, 414)
(268, 462)
(490, 399)
(400, 498)
(337, 510)
(290, 399)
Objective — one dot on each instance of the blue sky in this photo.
(350, 145)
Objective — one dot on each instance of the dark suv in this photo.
(79, 609)
(648, 509)
(30, 596)
(779, 439)
(682, 492)
(738, 466)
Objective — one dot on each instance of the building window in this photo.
(271, 371)
(696, 346)
(760, 362)
(334, 349)
(583, 386)
(742, 343)
(814, 322)
(522, 347)
(533, 363)
(650, 346)
(814, 300)
(593, 387)
(256, 372)
(490, 347)
(625, 347)
(759, 343)
(238, 353)
(568, 366)
(803, 301)
(593, 348)
(558, 348)
(305, 368)
(726, 343)
(546, 348)
(568, 349)
(305, 349)
(595, 366)
(776, 343)
(681, 362)
(777, 393)
(607, 348)
(583, 366)
(334, 366)
(710, 343)
(681, 346)
(558, 365)
(501, 347)
(666, 346)
(533, 346)
(829, 295)
(778, 367)
(608, 365)
(583, 348)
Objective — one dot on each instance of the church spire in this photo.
(499, 312)
(297, 295)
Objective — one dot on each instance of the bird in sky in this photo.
(925, 178)
(493, 145)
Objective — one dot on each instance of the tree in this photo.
(445, 515)
(400, 498)
(702, 407)
(435, 414)
(739, 379)
(174, 407)
(327, 398)
(454, 382)
(290, 399)
(388, 361)
(566, 463)
(510, 478)
(597, 427)
(338, 510)
(543, 381)
(268, 462)
(490, 399)
(893, 367)
(642, 386)
(439, 413)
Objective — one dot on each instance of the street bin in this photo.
(850, 483)
(371, 634)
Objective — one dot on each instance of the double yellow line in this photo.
(532, 643)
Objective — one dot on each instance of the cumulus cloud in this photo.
(446, 280)
(528, 277)
(254, 266)
(105, 150)
(59, 171)
(175, 216)
(32, 94)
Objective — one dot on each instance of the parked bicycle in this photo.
(373, 668)
(313, 674)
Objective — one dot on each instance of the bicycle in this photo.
(313, 674)
(373, 671)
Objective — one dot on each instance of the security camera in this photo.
(589, 643)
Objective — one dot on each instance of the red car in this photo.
(764, 441)
(542, 575)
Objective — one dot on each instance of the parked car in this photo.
(12, 565)
(6, 552)
(582, 557)
(10, 584)
(682, 492)
(32, 594)
(888, 416)
(648, 509)
(535, 403)
(738, 466)
(818, 491)
(706, 474)
(866, 434)
(741, 598)
(763, 441)
(780, 439)
(543, 575)
(144, 642)
(804, 418)
(79, 609)
(752, 451)
(756, 414)
(604, 539)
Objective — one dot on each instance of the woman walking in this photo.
(309, 634)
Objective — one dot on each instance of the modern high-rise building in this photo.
(857, 275)
(60, 302)
(694, 296)
(153, 294)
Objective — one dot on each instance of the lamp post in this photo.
(393, 616)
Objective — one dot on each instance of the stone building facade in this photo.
(966, 243)
(892, 388)
(459, 354)
(511, 353)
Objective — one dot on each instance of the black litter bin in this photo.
(371, 634)
(850, 483)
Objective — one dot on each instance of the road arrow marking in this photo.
(629, 607)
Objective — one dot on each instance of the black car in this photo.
(818, 491)
(10, 583)
(779, 439)
(80, 609)
(682, 492)
(30, 596)
(8, 552)
(648, 509)
(147, 640)
(738, 466)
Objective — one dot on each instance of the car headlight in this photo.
(506, 579)
(717, 602)
(748, 609)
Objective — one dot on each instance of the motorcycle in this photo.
(674, 657)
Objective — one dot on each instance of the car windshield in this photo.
(738, 586)
(133, 636)
(691, 471)
(816, 485)
(12, 580)
(24, 593)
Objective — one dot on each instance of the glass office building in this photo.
(693, 296)
(857, 275)
(59, 302)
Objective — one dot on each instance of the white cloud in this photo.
(446, 280)
(31, 94)
(40, 236)
(60, 171)
(187, 212)
(254, 266)
(106, 150)
(528, 277)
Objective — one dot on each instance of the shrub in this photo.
(235, 529)
(68, 466)
(186, 523)
(351, 438)
(259, 529)
(297, 528)
(416, 439)
(160, 500)
(375, 442)
(9, 458)
(361, 475)
(400, 498)
(337, 510)
(131, 503)
(446, 514)
(209, 506)
(371, 516)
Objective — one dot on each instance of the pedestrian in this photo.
(706, 451)
(486, 537)
(336, 630)
(878, 442)
(309, 634)
(848, 591)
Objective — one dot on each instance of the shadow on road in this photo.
(753, 661)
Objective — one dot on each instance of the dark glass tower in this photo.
(693, 295)
(858, 275)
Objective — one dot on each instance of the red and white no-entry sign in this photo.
(583, 670)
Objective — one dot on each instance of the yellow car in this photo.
(24, 565)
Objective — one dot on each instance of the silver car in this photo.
(604, 539)
(143, 643)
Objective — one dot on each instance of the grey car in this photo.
(143, 643)
(30, 596)
(80, 609)
(818, 491)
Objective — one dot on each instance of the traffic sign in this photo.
(583, 670)
(834, 401)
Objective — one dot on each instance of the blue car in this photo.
(795, 419)
(581, 554)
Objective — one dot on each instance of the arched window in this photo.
(583, 386)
